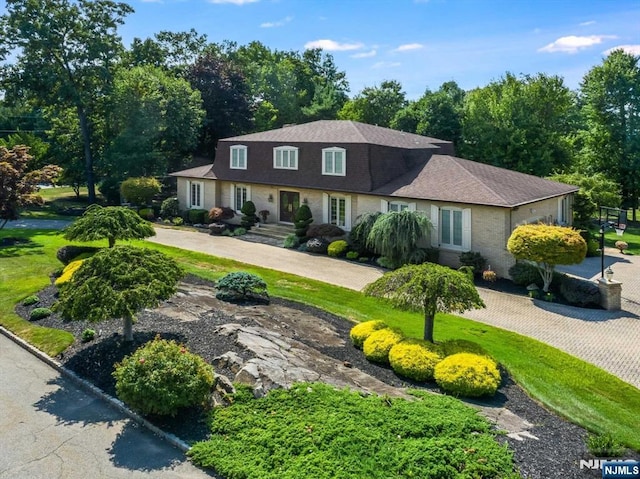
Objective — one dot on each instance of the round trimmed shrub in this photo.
(39, 313)
(140, 191)
(337, 248)
(68, 253)
(161, 377)
(147, 214)
(30, 300)
(414, 359)
(455, 346)
(469, 375)
(352, 255)
(360, 332)
(377, 346)
(170, 208)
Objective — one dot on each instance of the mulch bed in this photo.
(556, 454)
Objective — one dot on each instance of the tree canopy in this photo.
(118, 283)
(111, 223)
(375, 105)
(66, 51)
(427, 287)
(547, 246)
(610, 99)
(520, 123)
(18, 186)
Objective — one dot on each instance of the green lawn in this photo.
(576, 390)
(631, 236)
(55, 200)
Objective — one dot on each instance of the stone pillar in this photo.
(610, 294)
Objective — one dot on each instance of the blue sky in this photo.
(420, 43)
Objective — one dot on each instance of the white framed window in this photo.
(451, 227)
(238, 157)
(285, 157)
(240, 194)
(334, 161)
(195, 194)
(337, 210)
(387, 206)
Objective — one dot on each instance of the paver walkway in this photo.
(51, 429)
(610, 340)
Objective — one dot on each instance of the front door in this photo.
(289, 203)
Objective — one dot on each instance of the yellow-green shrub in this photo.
(414, 359)
(337, 248)
(468, 375)
(377, 346)
(360, 332)
(68, 271)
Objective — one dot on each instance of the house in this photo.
(342, 169)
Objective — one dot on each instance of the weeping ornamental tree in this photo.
(547, 246)
(111, 223)
(427, 287)
(395, 235)
(118, 283)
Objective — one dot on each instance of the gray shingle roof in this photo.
(203, 171)
(450, 179)
(341, 131)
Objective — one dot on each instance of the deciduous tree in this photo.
(118, 283)
(375, 105)
(65, 51)
(155, 120)
(547, 246)
(17, 186)
(427, 287)
(610, 98)
(522, 124)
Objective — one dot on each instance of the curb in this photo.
(95, 391)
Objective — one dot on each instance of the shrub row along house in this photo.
(342, 169)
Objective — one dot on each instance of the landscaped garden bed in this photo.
(556, 452)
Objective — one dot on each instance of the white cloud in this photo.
(332, 45)
(379, 65)
(279, 23)
(586, 24)
(408, 47)
(573, 43)
(630, 49)
(235, 2)
(370, 54)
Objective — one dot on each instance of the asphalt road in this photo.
(49, 429)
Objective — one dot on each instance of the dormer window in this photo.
(238, 157)
(285, 157)
(334, 161)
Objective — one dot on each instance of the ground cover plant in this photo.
(314, 430)
(572, 388)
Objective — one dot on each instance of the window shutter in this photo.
(466, 229)
(559, 218)
(232, 196)
(188, 203)
(248, 192)
(384, 206)
(435, 233)
(412, 207)
(325, 208)
(347, 213)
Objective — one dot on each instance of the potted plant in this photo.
(622, 245)
(489, 275)
(264, 214)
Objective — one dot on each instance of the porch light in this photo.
(270, 199)
(305, 201)
(608, 274)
